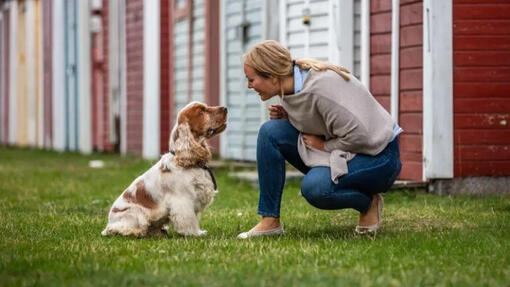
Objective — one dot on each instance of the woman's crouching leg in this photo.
(318, 189)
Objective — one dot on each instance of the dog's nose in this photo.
(225, 110)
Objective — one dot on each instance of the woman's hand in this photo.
(314, 141)
(277, 112)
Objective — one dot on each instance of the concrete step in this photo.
(252, 177)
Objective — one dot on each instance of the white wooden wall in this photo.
(181, 63)
(318, 40)
(356, 70)
(245, 116)
(332, 35)
(197, 48)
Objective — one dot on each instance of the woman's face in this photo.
(266, 87)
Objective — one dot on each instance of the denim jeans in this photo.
(277, 143)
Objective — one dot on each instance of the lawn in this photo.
(53, 208)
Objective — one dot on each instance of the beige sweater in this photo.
(344, 113)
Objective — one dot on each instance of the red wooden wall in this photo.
(481, 75)
(134, 59)
(411, 88)
(410, 78)
(47, 41)
(380, 51)
(97, 53)
(212, 59)
(165, 107)
(104, 137)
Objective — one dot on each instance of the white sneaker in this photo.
(253, 233)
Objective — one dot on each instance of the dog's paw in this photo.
(202, 233)
(166, 162)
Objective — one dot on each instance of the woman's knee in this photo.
(314, 190)
(270, 128)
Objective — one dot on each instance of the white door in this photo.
(327, 30)
(242, 27)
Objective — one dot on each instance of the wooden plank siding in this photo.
(134, 75)
(411, 89)
(411, 79)
(104, 105)
(165, 110)
(6, 75)
(21, 95)
(47, 38)
(212, 59)
(380, 51)
(481, 60)
(98, 81)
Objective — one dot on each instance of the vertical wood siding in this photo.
(39, 75)
(165, 126)
(103, 77)
(296, 37)
(243, 104)
(411, 90)
(98, 81)
(357, 39)
(180, 60)
(198, 51)
(47, 40)
(212, 59)
(22, 77)
(481, 59)
(380, 51)
(134, 58)
(71, 72)
(5, 76)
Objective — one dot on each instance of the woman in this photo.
(329, 127)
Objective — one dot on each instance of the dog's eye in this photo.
(202, 111)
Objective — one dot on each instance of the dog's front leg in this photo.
(166, 162)
(184, 220)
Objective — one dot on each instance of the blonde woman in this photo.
(329, 127)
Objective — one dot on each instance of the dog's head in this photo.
(196, 123)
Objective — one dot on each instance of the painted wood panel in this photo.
(58, 76)
(39, 76)
(134, 76)
(481, 90)
(166, 113)
(198, 51)
(245, 108)
(357, 39)
(22, 93)
(71, 69)
(306, 40)
(411, 83)
(180, 46)
(5, 79)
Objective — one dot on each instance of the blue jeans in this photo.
(277, 143)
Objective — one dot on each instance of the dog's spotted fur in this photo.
(177, 188)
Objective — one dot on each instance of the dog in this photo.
(179, 186)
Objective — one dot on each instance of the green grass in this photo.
(53, 208)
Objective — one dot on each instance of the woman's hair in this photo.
(270, 58)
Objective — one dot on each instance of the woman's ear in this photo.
(188, 152)
(274, 80)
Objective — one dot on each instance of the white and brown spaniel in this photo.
(179, 186)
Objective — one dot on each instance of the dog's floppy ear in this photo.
(188, 152)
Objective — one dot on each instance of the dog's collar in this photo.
(206, 168)
(212, 176)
